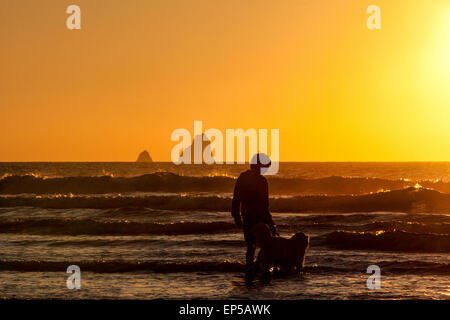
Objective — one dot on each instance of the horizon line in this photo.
(288, 161)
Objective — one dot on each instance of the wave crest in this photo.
(170, 182)
(388, 241)
(70, 226)
(407, 200)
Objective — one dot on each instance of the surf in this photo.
(171, 182)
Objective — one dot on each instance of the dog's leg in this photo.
(276, 268)
(264, 263)
(300, 264)
(258, 264)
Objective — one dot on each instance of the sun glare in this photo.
(441, 45)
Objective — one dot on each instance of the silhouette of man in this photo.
(251, 201)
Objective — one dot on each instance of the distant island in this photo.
(144, 156)
(200, 139)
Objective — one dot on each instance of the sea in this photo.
(164, 231)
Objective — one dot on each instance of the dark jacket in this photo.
(251, 200)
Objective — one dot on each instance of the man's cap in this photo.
(260, 160)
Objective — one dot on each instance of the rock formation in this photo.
(144, 156)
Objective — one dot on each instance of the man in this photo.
(251, 201)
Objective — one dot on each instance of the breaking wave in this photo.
(406, 200)
(69, 226)
(414, 227)
(399, 241)
(170, 182)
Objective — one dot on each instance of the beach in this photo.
(157, 230)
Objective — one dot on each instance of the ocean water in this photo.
(156, 230)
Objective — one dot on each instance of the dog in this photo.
(282, 254)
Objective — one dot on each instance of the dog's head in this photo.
(302, 239)
(262, 234)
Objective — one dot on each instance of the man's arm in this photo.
(236, 205)
(267, 216)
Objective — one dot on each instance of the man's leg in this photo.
(251, 248)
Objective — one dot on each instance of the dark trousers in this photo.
(251, 248)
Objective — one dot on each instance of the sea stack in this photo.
(144, 156)
(200, 139)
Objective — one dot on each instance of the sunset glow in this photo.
(135, 72)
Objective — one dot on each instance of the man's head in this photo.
(259, 162)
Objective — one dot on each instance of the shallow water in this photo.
(168, 248)
(51, 285)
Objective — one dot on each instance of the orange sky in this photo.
(139, 69)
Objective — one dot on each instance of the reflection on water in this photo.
(174, 244)
(43, 285)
